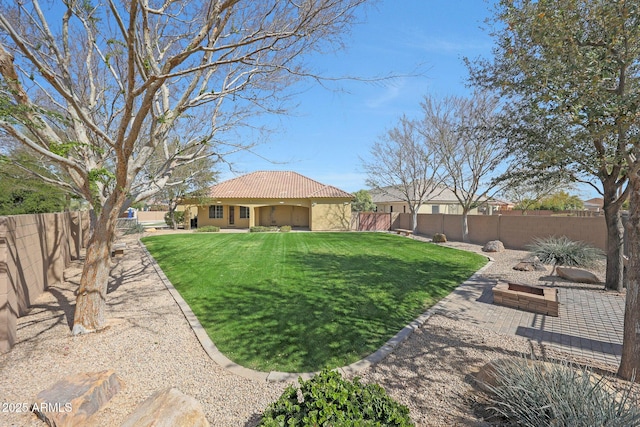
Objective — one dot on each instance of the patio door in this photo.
(232, 215)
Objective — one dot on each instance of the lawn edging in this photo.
(354, 368)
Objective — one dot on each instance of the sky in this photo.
(330, 131)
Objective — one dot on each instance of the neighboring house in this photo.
(442, 201)
(275, 198)
(594, 205)
(500, 206)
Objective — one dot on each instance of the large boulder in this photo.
(577, 275)
(493, 246)
(168, 408)
(72, 400)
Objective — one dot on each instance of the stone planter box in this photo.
(525, 297)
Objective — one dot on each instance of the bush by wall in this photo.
(208, 229)
(562, 251)
(178, 216)
(330, 400)
(262, 229)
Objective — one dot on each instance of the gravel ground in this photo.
(151, 346)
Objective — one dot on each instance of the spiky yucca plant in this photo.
(562, 251)
(536, 395)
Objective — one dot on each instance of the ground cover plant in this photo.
(300, 302)
(329, 400)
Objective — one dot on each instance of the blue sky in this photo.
(330, 130)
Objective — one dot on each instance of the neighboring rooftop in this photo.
(394, 194)
(594, 204)
(275, 184)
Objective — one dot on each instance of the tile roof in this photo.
(596, 202)
(275, 185)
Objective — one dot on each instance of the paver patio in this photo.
(589, 324)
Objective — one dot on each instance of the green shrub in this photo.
(329, 400)
(537, 394)
(208, 229)
(439, 238)
(285, 228)
(262, 229)
(562, 251)
(137, 228)
(178, 216)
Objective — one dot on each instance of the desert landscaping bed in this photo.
(150, 345)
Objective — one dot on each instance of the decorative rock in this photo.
(577, 275)
(530, 264)
(168, 408)
(493, 246)
(71, 401)
(439, 238)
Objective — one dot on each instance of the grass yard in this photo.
(297, 302)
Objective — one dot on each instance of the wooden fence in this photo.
(371, 221)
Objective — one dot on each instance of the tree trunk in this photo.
(414, 221)
(630, 362)
(615, 247)
(465, 226)
(92, 295)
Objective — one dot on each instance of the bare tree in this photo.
(99, 87)
(191, 179)
(526, 187)
(462, 132)
(404, 165)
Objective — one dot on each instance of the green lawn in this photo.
(298, 302)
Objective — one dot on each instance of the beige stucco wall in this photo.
(294, 212)
(34, 251)
(296, 216)
(330, 215)
(317, 214)
(144, 216)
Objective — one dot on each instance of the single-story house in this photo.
(441, 201)
(275, 198)
(595, 205)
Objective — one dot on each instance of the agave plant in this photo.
(529, 393)
(562, 251)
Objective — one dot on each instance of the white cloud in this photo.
(390, 93)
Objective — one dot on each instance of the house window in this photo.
(244, 212)
(435, 209)
(216, 211)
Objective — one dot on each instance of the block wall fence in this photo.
(34, 251)
(515, 232)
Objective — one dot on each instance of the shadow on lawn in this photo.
(345, 308)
